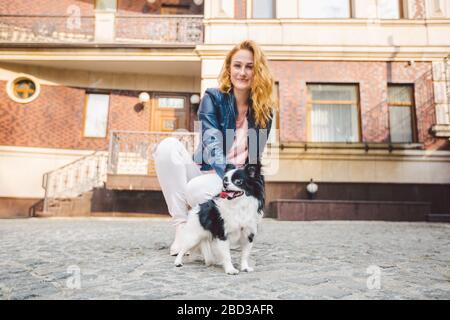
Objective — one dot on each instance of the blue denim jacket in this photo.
(217, 113)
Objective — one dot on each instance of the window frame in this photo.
(87, 93)
(10, 88)
(401, 11)
(309, 108)
(170, 96)
(274, 3)
(276, 115)
(412, 106)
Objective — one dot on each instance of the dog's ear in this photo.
(253, 170)
(229, 167)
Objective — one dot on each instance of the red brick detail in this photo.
(372, 78)
(55, 118)
(45, 7)
(419, 9)
(240, 9)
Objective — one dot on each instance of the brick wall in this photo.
(372, 78)
(45, 7)
(55, 118)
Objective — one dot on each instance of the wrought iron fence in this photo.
(128, 29)
(75, 178)
(46, 29)
(159, 29)
(131, 152)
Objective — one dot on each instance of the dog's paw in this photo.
(232, 271)
(247, 269)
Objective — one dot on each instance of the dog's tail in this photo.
(207, 249)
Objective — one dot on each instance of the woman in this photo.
(242, 103)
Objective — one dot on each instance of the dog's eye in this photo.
(238, 182)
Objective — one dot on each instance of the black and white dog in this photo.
(230, 217)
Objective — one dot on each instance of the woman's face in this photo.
(241, 70)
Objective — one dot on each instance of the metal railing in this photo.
(131, 152)
(75, 178)
(46, 29)
(139, 29)
(159, 29)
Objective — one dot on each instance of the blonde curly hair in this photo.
(262, 86)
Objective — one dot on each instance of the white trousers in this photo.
(181, 181)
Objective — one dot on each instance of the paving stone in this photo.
(118, 258)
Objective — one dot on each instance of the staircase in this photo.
(68, 190)
(101, 180)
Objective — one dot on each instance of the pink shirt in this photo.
(239, 150)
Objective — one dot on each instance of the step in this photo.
(42, 214)
(439, 217)
(309, 210)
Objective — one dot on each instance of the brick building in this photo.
(362, 87)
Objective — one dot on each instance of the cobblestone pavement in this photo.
(128, 259)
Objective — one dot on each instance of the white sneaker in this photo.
(175, 247)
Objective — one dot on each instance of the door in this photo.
(169, 113)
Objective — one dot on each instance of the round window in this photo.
(23, 89)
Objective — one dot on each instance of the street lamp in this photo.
(311, 189)
(195, 99)
(144, 97)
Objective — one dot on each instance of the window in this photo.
(106, 5)
(389, 9)
(23, 88)
(264, 9)
(274, 136)
(96, 115)
(325, 9)
(401, 113)
(171, 103)
(333, 113)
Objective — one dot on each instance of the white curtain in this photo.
(334, 122)
(400, 117)
(400, 124)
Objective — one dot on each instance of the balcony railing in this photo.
(131, 152)
(46, 29)
(159, 29)
(134, 30)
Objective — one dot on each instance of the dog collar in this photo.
(230, 195)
